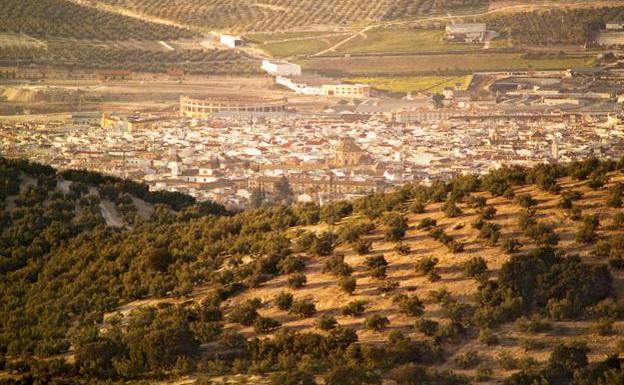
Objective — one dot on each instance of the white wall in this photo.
(230, 41)
(281, 68)
(301, 89)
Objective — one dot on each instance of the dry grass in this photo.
(323, 290)
(329, 299)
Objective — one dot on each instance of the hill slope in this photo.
(274, 15)
(511, 272)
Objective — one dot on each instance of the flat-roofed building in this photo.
(352, 91)
(321, 86)
(231, 41)
(281, 68)
(466, 32)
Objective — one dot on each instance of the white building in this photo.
(301, 88)
(231, 41)
(470, 32)
(281, 68)
(614, 27)
(317, 86)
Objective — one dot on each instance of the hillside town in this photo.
(225, 150)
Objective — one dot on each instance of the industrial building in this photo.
(467, 33)
(320, 86)
(281, 68)
(231, 41)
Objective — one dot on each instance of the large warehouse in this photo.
(205, 107)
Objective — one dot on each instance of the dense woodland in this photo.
(62, 269)
(60, 18)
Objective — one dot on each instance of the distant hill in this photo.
(513, 277)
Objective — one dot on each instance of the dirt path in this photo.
(134, 14)
(506, 9)
(110, 214)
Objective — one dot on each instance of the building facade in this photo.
(348, 153)
(204, 108)
(231, 41)
(469, 33)
(281, 68)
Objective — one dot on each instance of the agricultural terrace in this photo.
(428, 84)
(288, 44)
(285, 15)
(438, 64)
(403, 40)
(60, 18)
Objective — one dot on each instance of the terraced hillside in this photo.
(556, 26)
(276, 15)
(65, 34)
(97, 56)
(511, 278)
(60, 18)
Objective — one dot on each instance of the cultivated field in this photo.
(427, 84)
(61, 18)
(554, 27)
(284, 15)
(283, 45)
(437, 64)
(402, 40)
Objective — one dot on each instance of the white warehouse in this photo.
(318, 86)
(281, 68)
(231, 41)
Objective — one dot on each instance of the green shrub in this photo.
(354, 308)
(507, 361)
(417, 207)
(348, 284)
(303, 308)
(362, 246)
(409, 305)
(426, 265)
(326, 322)
(402, 248)
(265, 325)
(604, 327)
(291, 264)
(337, 266)
(475, 267)
(467, 360)
(297, 281)
(245, 313)
(376, 322)
(427, 327)
(483, 373)
(427, 224)
(487, 337)
(284, 300)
